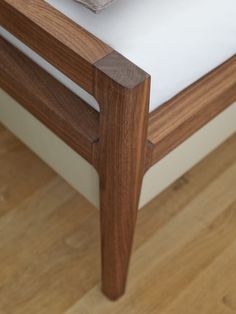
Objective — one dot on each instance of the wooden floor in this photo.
(184, 259)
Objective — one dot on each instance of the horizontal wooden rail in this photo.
(72, 119)
(52, 103)
(55, 37)
(184, 114)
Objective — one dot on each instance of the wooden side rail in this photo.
(51, 102)
(183, 115)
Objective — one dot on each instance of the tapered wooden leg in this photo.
(119, 205)
(123, 94)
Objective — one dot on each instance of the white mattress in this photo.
(176, 41)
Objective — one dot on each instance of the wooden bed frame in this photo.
(123, 140)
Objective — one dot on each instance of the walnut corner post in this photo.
(122, 91)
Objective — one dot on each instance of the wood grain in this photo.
(177, 252)
(55, 37)
(183, 115)
(7, 142)
(223, 294)
(120, 141)
(18, 183)
(122, 90)
(57, 232)
(51, 102)
(74, 51)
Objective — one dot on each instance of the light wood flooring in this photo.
(184, 259)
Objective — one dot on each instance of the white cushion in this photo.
(176, 41)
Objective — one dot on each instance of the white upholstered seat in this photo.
(176, 41)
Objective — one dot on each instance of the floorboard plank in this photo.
(156, 277)
(214, 290)
(21, 174)
(7, 142)
(49, 242)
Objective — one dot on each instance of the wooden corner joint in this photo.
(120, 71)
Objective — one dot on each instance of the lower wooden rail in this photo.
(183, 115)
(51, 102)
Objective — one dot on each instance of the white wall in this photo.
(81, 175)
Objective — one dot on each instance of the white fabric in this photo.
(96, 5)
(176, 41)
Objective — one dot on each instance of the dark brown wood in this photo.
(122, 90)
(120, 141)
(184, 114)
(52, 103)
(55, 37)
